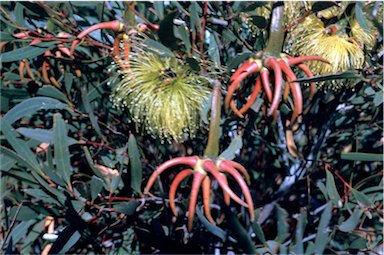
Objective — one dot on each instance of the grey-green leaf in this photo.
(96, 187)
(71, 242)
(6, 37)
(362, 198)
(89, 110)
(32, 105)
(50, 91)
(300, 230)
(19, 146)
(157, 48)
(135, 164)
(321, 239)
(127, 208)
(345, 75)
(62, 156)
(352, 221)
(42, 135)
(363, 22)
(282, 225)
(235, 144)
(332, 191)
(362, 156)
(28, 52)
(13, 155)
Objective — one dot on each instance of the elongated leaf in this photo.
(45, 184)
(159, 8)
(194, 17)
(6, 163)
(20, 147)
(96, 187)
(28, 52)
(42, 135)
(240, 58)
(321, 239)
(32, 105)
(6, 37)
(32, 236)
(184, 34)
(235, 145)
(250, 6)
(20, 230)
(25, 213)
(19, 15)
(68, 80)
(332, 191)
(71, 242)
(214, 230)
(135, 164)
(127, 208)
(51, 173)
(62, 158)
(362, 198)
(345, 75)
(318, 6)
(89, 110)
(300, 230)
(282, 225)
(157, 48)
(95, 169)
(50, 91)
(363, 22)
(362, 156)
(323, 190)
(258, 231)
(352, 221)
(259, 21)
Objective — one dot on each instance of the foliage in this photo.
(74, 165)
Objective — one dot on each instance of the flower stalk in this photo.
(212, 150)
(276, 36)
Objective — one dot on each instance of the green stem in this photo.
(212, 150)
(276, 36)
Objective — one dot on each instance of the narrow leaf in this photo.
(95, 169)
(352, 221)
(20, 230)
(62, 156)
(96, 187)
(362, 156)
(19, 15)
(28, 52)
(50, 91)
(184, 34)
(159, 8)
(20, 147)
(135, 164)
(362, 198)
(345, 75)
(6, 37)
(32, 105)
(282, 225)
(42, 135)
(157, 48)
(45, 184)
(89, 110)
(323, 189)
(332, 191)
(68, 80)
(360, 16)
(321, 239)
(318, 6)
(127, 208)
(32, 236)
(71, 242)
(240, 58)
(6, 163)
(300, 230)
(235, 145)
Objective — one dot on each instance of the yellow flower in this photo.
(162, 94)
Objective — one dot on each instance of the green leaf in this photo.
(352, 221)
(332, 191)
(157, 48)
(25, 213)
(42, 135)
(250, 6)
(62, 157)
(6, 163)
(35, 8)
(282, 225)
(96, 187)
(300, 230)
(32, 236)
(71, 242)
(239, 59)
(362, 156)
(68, 80)
(20, 147)
(362, 198)
(45, 184)
(235, 145)
(318, 6)
(213, 49)
(127, 208)
(205, 108)
(20, 230)
(323, 189)
(228, 34)
(193, 63)
(95, 169)
(360, 16)
(50, 171)
(135, 164)
(259, 21)
(321, 239)
(345, 75)
(310, 248)
(50, 91)
(194, 17)
(19, 15)
(4, 37)
(89, 110)
(159, 8)
(258, 231)
(184, 34)
(28, 52)
(214, 230)
(32, 105)
(379, 98)
(359, 244)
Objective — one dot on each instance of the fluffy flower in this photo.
(162, 95)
